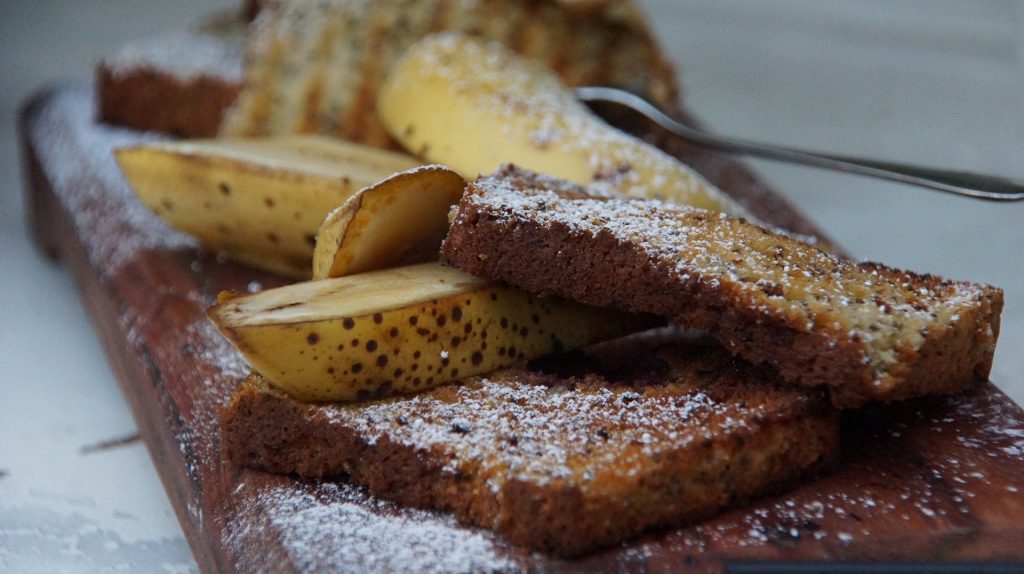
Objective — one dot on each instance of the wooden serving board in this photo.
(939, 479)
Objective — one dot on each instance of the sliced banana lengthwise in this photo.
(473, 105)
(398, 221)
(401, 330)
(259, 201)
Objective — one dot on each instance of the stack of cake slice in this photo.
(580, 451)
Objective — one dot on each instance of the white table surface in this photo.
(930, 81)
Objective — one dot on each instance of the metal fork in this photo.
(976, 185)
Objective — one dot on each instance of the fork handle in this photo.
(966, 183)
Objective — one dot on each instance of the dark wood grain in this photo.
(937, 479)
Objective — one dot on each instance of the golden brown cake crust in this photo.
(150, 100)
(561, 462)
(866, 331)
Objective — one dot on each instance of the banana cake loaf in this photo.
(863, 330)
(563, 459)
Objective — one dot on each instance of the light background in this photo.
(932, 81)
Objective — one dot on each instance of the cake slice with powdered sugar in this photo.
(866, 331)
(180, 83)
(643, 432)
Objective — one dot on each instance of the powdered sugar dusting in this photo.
(77, 155)
(587, 434)
(186, 55)
(337, 527)
(204, 381)
(911, 495)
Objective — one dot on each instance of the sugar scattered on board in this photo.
(335, 526)
(77, 155)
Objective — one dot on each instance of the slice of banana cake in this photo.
(864, 330)
(561, 462)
